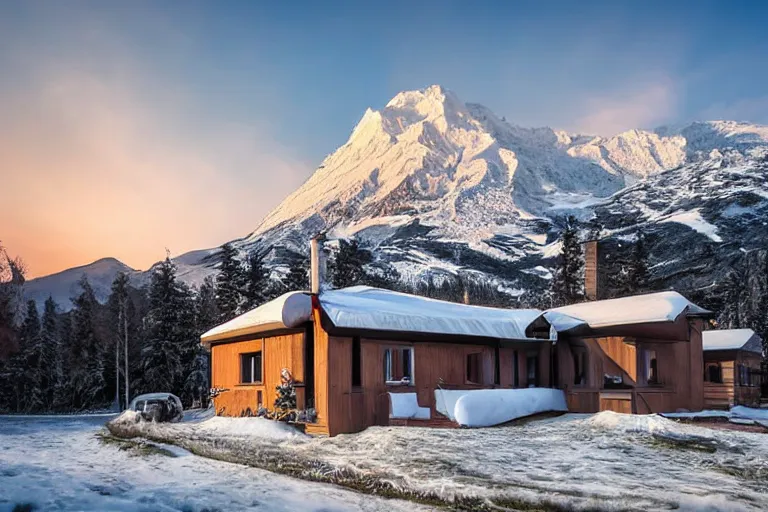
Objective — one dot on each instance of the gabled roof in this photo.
(287, 311)
(363, 307)
(732, 339)
(375, 309)
(637, 309)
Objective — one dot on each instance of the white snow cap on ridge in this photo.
(367, 308)
(732, 339)
(637, 309)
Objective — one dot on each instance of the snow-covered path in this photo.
(58, 463)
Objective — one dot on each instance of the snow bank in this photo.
(246, 427)
(488, 407)
(740, 411)
(406, 405)
(633, 423)
(736, 412)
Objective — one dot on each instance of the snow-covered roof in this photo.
(363, 307)
(367, 308)
(732, 339)
(289, 310)
(637, 309)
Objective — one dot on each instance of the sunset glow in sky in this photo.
(129, 127)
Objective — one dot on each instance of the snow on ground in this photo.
(58, 463)
(606, 461)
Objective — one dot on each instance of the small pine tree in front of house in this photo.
(568, 279)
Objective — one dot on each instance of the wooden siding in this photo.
(729, 392)
(679, 367)
(278, 352)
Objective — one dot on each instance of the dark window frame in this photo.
(474, 368)
(532, 379)
(252, 357)
(357, 363)
(714, 378)
(407, 361)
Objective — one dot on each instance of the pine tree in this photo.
(297, 278)
(567, 283)
(87, 383)
(206, 308)
(49, 368)
(61, 396)
(170, 341)
(229, 284)
(118, 304)
(347, 267)
(256, 284)
(637, 269)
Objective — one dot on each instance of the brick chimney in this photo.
(591, 278)
(317, 263)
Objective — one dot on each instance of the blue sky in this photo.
(236, 102)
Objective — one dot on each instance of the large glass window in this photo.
(250, 368)
(398, 366)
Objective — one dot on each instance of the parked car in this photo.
(159, 407)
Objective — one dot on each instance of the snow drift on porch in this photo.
(637, 309)
(489, 407)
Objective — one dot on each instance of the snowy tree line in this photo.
(141, 340)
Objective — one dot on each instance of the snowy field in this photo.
(59, 463)
(606, 461)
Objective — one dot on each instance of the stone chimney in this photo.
(591, 278)
(317, 263)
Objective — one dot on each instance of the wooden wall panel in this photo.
(623, 354)
(611, 404)
(225, 371)
(321, 376)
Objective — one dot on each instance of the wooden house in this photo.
(732, 374)
(639, 354)
(349, 351)
(363, 356)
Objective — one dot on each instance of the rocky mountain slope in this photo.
(436, 186)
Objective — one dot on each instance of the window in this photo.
(357, 380)
(250, 368)
(579, 366)
(398, 366)
(651, 367)
(259, 399)
(515, 370)
(714, 373)
(474, 368)
(532, 367)
(741, 375)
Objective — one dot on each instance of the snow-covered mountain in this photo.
(438, 186)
